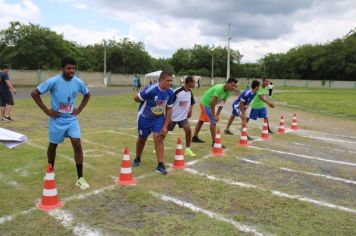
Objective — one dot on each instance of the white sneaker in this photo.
(82, 183)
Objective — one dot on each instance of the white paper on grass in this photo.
(10, 138)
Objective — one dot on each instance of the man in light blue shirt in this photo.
(63, 121)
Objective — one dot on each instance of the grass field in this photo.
(300, 183)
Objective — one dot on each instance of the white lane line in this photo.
(328, 139)
(300, 144)
(251, 161)
(335, 135)
(241, 227)
(348, 181)
(274, 192)
(305, 156)
(68, 221)
(6, 180)
(320, 175)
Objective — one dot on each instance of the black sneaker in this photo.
(136, 163)
(249, 138)
(4, 119)
(228, 132)
(195, 139)
(161, 169)
(9, 118)
(270, 131)
(222, 145)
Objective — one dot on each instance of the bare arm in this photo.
(263, 98)
(167, 119)
(36, 95)
(11, 87)
(83, 103)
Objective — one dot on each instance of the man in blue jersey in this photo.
(239, 106)
(63, 121)
(154, 115)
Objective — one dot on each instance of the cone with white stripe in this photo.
(294, 122)
(50, 199)
(281, 129)
(265, 134)
(125, 176)
(243, 137)
(217, 148)
(179, 162)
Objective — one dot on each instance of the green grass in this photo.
(336, 103)
(109, 124)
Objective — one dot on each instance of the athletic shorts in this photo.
(236, 110)
(206, 115)
(258, 113)
(180, 124)
(6, 98)
(146, 126)
(61, 128)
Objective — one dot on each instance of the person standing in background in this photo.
(6, 91)
(270, 88)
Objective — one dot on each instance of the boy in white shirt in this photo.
(182, 110)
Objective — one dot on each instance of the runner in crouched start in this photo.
(154, 115)
(240, 105)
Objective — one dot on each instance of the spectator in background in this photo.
(270, 88)
(6, 91)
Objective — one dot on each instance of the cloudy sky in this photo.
(257, 26)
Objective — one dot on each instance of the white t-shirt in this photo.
(183, 100)
(270, 86)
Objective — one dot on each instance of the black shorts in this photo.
(180, 124)
(6, 98)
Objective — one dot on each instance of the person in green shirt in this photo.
(258, 108)
(216, 95)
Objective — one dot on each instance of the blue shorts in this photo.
(146, 126)
(236, 110)
(258, 113)
(60, 128)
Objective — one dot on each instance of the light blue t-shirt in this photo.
(63, 93)
(154, 101)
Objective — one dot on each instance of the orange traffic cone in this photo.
(49, 195)
(294, 123)
(243, 137)
(265, 134)
(217, 149)
(179, 162)
(281, 129)
(125, 177)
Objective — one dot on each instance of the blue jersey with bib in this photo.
(154, 101)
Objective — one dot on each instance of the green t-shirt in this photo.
(215, 91)
(257, 103)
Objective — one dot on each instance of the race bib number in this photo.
(65, 107)
(182, 104)
(157, 110)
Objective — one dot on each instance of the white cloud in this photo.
(25, 11)
(85, 36)
(81, 6)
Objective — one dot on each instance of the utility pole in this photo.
(228, 53)
(212, 69)
(105, 79)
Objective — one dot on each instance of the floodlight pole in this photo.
(228, 53)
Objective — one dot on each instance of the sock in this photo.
(79, 170)
(187, 148)
(161, 164)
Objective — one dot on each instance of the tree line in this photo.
(33, 47)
